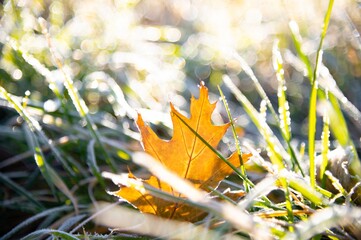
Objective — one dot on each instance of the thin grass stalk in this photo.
(258, 120)
(91, 161)
(240, 174)
(325, 137)
(248, 70)
(313, 99)
(297, 41)
(283, 107)
(33, 126)
(235, 137)
(42, 70)
(237, 171)
(271, 148)
(285, 186)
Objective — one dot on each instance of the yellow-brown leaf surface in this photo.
(185, 155)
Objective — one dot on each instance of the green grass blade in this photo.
(337, 121)
(33, 126)
(325, 138)
(91, 161)
(338, 127)
(338, 124)
(283, 106)
(312, 118)
(249, 182)
(306, 191)
(20, 190)
(213, 149)
(297, 40)
(258, 120)
(272, 152)
(326, 81)
(313, 98)
(285, 186)
(235, 137)
(247, 69)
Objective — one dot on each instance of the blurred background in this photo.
(138, 55)
(158, 51)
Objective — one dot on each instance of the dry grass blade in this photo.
(151, 225)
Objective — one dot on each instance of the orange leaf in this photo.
(186, 155)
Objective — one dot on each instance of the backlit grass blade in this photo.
(235, 137)
(325, 147)
(297, 40)
(213, 149)
(91, 161)
(146, 226)
(272, 152)
(340, 131)
(283, 106)
(258, 120)
(312, 118)
(33, 126)
(37, 66)
(308, 192)
(248, 70)
(42, 70)
(250, 183)
(327, 82)
(295, 181)
(338, 125)
(260, 189)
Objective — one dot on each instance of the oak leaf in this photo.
(186, 155)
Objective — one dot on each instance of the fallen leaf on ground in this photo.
(186, 155)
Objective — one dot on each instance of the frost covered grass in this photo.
(73, 76)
